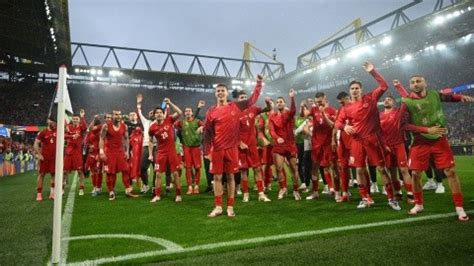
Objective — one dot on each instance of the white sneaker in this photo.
(215, 212)
(383, 190)
(282, 193)
(296, 195)
(325, 190)
(430, 185)
(246, 197)
(416, 209)
(337, 196)
(394, 205)
(238, 190)
(178, 199)
(440, 189)
(263, 197)
(351, 182)
(363, 204)
(373, 188)
(462, 216)
(81, 192)
(302, 187)
(230, 212)
(313, 196)
(155, 199)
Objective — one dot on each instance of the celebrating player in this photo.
(47, 157)
(74, 135)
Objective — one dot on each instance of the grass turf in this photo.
(27, 228)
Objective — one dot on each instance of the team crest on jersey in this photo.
(167, 127)
(251, 115)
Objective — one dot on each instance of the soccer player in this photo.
(426, 111)
(367, 143)
(221, 138)
(282, 124)
(93, 163)
(323, 117)
(166, 155)
(266, 142)
(74, 136)
(341, 144)
(145, 163)
(47, 157)
(114, 150)
(248, 154)
(191, 147)
(392, 121)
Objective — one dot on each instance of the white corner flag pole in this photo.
(58, 179)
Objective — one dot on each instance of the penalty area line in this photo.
(265, 239)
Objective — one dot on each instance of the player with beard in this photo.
(74, 136)
(114, 151)
(47, 157)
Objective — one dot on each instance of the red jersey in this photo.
(248, 130)
(322, 131)
(74, 145)
(221, 127)
(92, 139)
(344, 138)
(362, 115)
(392, 125)
(282, 124)
(164, 134)
(47, 137)
(114, 138)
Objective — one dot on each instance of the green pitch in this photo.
(278, 232)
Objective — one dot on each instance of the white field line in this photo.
(169, 245)
(262, 239)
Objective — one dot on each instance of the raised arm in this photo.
(399, 87)
(268, 106)
(383, 85)
(445, 97)
(139, 109)
(103, 134)
(255, 94)
(177, 112)
(293, 104)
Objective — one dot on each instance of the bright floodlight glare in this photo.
(408, 57)
(456, 13)
(248, 82)
(441, 46)
(76, 70)
(386, 40)
(332, 62)
(99, 72)
(439, 20)
(359, 51)
(93, 71)
(323, 65)
(469, 9)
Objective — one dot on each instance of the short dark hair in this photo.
(282, 99)
(355, 82)
(188, 107)
(342, 95)
(158, 108)
(75, 114)
(236, 93)
(391, 96)
(222, 85)
(417, 76)
(319, 95)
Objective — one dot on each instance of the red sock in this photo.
(189, 176)
(230, 202)
(418, 197)
(125, 179)
(158, 191)
(458, 200)
(99, 179)
(39, 190)
(344, 178)
(396, 186)
(284, 182)
(268, 175)
(328, 178)
(315, 185)
(367, 180)
(409, 188)
(218, 201)
(197, 176)
(389, 190)
(363, 192)
(295, 187)
(260, 185)
(178, 191)
(52, 183)
(81, 186)
(245, 185)
(111, 178)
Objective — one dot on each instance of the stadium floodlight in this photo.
(323, 65)
(467, 37)
(332, 62)
(428, 48)
(99, 72)
(248, 82)
(359, 51)
(76, 70)
(441, 46)
(93, 71)
(407, 57)
(439, 20)
(456, 13)
(469, 9)
(236, 81)
(386, 40)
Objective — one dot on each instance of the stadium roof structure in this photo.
(402, 39)
(34, 36)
